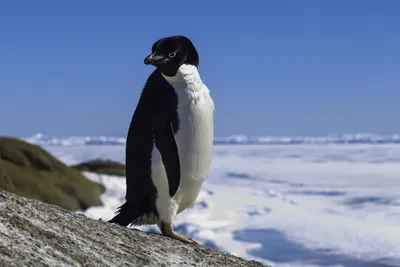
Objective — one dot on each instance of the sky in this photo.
(273, 67)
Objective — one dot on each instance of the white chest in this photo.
(196, 121)
(196, 131)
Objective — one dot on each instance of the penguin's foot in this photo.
(167, 230)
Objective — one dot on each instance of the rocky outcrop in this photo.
(30, 171)
(33, 233)
(99, 166)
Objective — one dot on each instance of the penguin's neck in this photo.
(187, 84)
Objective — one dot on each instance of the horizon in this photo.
(341, 139)
(274, 69)
(40, 134)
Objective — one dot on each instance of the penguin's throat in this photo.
(186, 83)
(186, 74)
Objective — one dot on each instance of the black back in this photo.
(155, 121)
(155, 113)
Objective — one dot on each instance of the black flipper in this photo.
(155, 113)
(166, 145)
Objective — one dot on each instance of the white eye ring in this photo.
(171, 55)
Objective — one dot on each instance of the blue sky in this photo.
(273, 67)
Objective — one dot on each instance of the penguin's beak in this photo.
(153, 59)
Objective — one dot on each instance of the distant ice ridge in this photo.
(41, 139)
(360, 138)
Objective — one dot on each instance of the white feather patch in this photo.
(194, 140)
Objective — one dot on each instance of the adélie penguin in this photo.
(170, 139)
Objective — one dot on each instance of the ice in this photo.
(285, 205)
(360, 138)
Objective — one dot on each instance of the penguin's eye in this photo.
(172, 54)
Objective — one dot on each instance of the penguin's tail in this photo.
(124, 215)
(129, 214)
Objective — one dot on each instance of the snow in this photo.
(360, 138)
(286, 205)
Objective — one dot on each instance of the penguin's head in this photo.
(169, 53)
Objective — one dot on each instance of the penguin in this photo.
(170, 139)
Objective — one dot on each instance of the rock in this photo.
(33, 233)
(30, 171)
(102, 167)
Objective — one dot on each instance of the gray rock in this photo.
(33, 233)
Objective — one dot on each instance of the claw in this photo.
(167, 230)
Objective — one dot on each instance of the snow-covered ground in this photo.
(359, 138)
(285, 205)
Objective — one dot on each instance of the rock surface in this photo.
(33, 233)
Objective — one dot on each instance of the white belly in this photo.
(194, 140)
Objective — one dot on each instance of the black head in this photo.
(169, 53)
